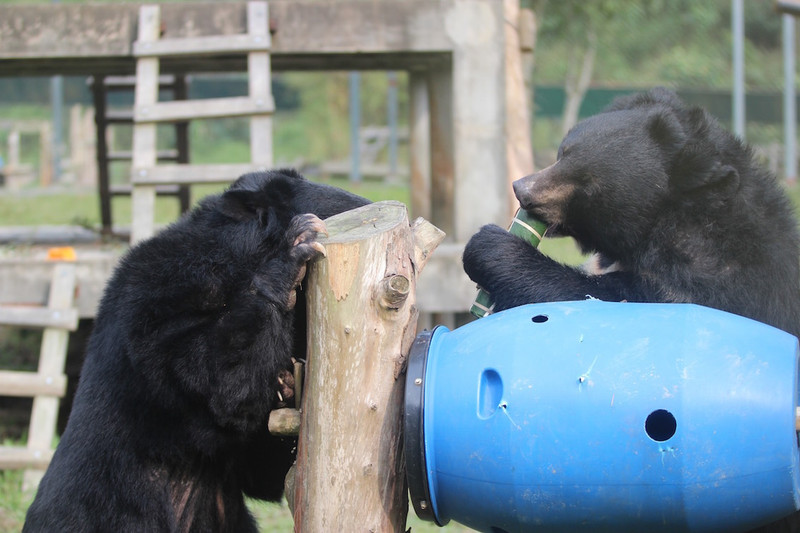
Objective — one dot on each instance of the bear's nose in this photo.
(522, 189)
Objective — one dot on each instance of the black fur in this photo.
(168, 431)
(675, 201)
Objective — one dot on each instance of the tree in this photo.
(580, 23)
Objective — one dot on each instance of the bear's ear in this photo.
(664, 128)
(722, 180)
(697, 170)
(238, 204)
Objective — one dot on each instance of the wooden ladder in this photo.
(146, 174)
(48, 385)
(106, 118)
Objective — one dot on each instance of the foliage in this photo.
(683, 43)
(319, 129)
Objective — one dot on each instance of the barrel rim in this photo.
(414, 427)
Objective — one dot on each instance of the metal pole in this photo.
(355, 126)
(392, 120)
(789, 101)
(57, 108)
(737, 23)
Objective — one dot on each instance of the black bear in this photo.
(195, 330)
(674, 201)
(675, 206)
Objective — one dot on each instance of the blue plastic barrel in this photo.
(604, 416)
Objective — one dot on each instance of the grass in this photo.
(271, 517)
(13, 502)
(82, 207)
(276, 518)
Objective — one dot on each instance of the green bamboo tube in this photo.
(525, 227)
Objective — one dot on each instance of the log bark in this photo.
(361, 322)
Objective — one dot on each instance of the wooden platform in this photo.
(468, 126)
(25, 270)
(87, 38)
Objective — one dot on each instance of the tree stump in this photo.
(361, 323)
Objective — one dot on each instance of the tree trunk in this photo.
(577, 83)
(361, 322)
(519, 149)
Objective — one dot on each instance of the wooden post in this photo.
(442, 150)
(143, 197)
(362, 319)
(419, 144)
(13, 150)
(101, 152)
(519, 151)
(260, 85)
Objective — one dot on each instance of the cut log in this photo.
(362, 319)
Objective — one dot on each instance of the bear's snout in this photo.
(543, 195)
(521, 189)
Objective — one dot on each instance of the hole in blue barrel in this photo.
(660, 425)
(490, 392)
(540, 319)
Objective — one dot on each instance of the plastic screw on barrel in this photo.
(600, 416)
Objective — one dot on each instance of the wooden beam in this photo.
(169, 154)
(790, 7)
(143, 197)
(14, 458)
(259, 72)
(328, 35)
(285, 422)
(161, 190)
(177, 110)
(98, 87)
(188, 174)
(38, 317)
(29, 384)
(442, 152)
(478, 119)
(519, 147)
(420, 145)
(180, 91)
(127, 83)
(213, 44)
(52, 358)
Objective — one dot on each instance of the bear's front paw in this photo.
(494, 256)
(302, 235)
(285, 390)
(481, 258)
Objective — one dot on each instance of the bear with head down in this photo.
(674, 206)
(675, 202)
(192, 341)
